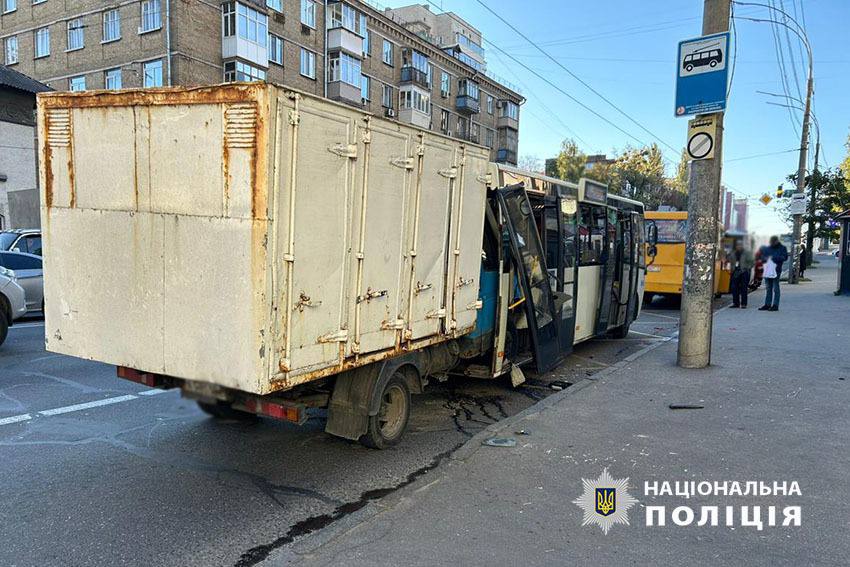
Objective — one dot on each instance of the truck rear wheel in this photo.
(223, 410)
(387, 427)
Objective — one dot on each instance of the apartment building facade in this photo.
(347, 50)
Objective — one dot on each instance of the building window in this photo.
(228, 19)
(75, 34)
(242, 72)
(251, 25)
(42, 42)
(413, 99)
(10, 6)
(11, 45)
(152, 73)
(112, 79)
(465, 87)
(308, 13)
(445, 118)
(509, 110)
(387, 54)
(276, 5)
(308, 63)
(489, 104)
(475, 133)
(111, 25)
(342, 15)
(489, 138)
(150, 16)
(367, 35)
(275, 49)
(387, 97)
(445, 85)
(365, 87)
(77, 84)
(345, 68)
(462, 127)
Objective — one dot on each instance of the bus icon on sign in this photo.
(709, 57)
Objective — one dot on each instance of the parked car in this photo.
(26, 240)
(12, 302)
(27, 271)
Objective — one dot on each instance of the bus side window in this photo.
(591, 234)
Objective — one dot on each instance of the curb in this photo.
(310, 543)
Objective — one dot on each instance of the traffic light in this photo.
(779, 192)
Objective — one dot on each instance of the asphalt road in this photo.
(100, 471)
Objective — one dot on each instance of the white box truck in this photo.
(268, 251)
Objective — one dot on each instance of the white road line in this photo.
(89, 405)
(152, 392)
(15, 419)
(648, 334)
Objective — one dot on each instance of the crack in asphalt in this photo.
(314, 523)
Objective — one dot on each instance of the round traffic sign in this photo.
(700, 145)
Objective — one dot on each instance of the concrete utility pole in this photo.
(793, 269)
(701, 249)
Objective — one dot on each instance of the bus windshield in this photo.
(671, 231)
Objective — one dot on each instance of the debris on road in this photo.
(685, 406)
(500, 442)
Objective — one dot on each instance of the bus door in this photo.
(609, 273)
(566, 211)
(626, 281)
(529, 258)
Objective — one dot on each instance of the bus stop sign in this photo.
(702, 73)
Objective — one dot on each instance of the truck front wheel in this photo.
(389, 424)
(223, 410)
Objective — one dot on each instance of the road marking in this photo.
(26, 326)
(15, 419)
(89, 405)
(152, 392)
(648, 334)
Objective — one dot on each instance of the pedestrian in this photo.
(804, 259)
(773, 255)
(741, 262)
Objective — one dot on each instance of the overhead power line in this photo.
(577, 78)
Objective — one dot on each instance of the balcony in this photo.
(412, 75)
(342, 39)
(343, 92)
(468, 105)
(507, 122)
(415, 117)
(504, 155)
(234, 47)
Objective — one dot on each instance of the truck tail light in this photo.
(146, 378)
(294, 413)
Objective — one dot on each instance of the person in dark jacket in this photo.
(804, 259)
(740, 263)
(773, 255)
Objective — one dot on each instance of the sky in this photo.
(626, 50)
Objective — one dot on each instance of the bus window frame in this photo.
(585, 242)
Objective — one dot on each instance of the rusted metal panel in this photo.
(250, 236)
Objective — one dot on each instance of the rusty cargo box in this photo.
(251, 236)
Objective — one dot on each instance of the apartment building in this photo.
(348, 50)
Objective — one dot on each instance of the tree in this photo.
(833, 196)
(680, 182)
(570, 163)
(845, 165)
(530, 163)
(640, 175)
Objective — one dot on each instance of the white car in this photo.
(13, 303)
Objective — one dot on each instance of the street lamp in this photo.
(793, 272)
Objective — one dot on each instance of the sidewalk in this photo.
(776, 408)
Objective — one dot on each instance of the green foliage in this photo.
(637, 173)
(832, 196)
